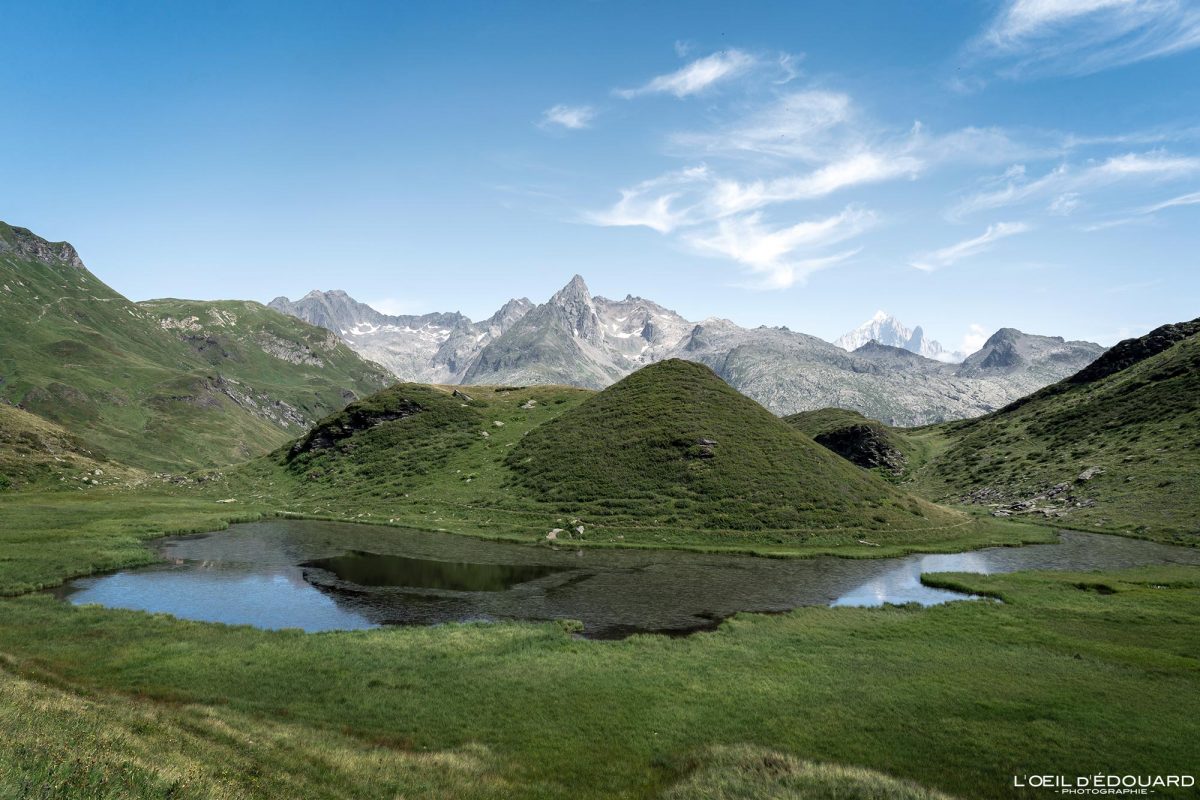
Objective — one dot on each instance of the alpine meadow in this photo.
(589, 459)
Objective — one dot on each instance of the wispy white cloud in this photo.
(800, 147)
(696, 76)
(1183, 200)
(1015, 187)
(781, 256)
(1079, 37)
(1065, 204)
(769, 155)
(956, 252)
(802, 125)
(660, 203)
(1145, 214)
(569, 117)
(731, 197)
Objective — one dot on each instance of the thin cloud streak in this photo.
(1014, 188)
(695, 77)
(771, 252)
(952, 254)
(1031, 38)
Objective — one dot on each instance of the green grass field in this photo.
(1060, 678)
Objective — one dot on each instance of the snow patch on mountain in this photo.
(887, 330)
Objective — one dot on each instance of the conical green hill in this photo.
(674, 444)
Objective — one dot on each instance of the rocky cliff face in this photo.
(575, 338)
(579, 339)
(25, 244)
(426, 348)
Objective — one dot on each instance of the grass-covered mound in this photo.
(673, 443)
(746, 772)
(386, 440)
(1114, 448)
(863, 441)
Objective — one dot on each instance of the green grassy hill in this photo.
(863, 441)
(1114, 448)
(165, 385)
(674, 442)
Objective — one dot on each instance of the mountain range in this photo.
(578, 339)
(886, 329)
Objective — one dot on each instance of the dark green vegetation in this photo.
(668, 457)
(1062, 678)
(865, 442)
(1114, 448)
(674, 443)
(161, 385)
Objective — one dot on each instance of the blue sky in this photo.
(966, 166)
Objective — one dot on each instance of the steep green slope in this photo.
(863, 441)
(34, 451)
(118, 376)
(674, 442)
(291, 372)
(1114, 448)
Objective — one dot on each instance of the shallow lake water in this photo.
(322, 576)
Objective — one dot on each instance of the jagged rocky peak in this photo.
(588, 340)
(334, 309)
(510, 312)
(1009, 349)
(573, 305)
(24, 243)
(887, 330)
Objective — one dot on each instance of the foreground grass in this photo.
(751, 773)
(1073, 674)
(64, 743)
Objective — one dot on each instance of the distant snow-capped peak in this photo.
(887, 330)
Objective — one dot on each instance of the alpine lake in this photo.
(325, 576)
